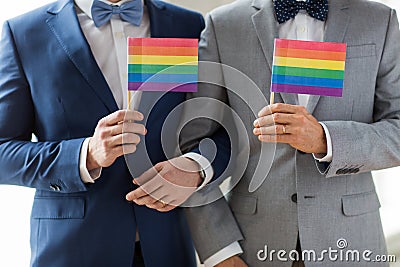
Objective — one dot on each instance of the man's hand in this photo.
(115, 135)
(293, 126)
(167, 185)
(234, 261)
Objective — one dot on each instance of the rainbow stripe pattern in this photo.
(304, 67)
(162, 64)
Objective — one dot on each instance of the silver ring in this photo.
(284, 129)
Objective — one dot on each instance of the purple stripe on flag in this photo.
(309, 90)
(162, 87)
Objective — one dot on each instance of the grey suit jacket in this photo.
(334, 201)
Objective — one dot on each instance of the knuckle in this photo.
(297, 118)
(103, 134)
(158, 165)
(279, 106)
(105, 144)
(165, 175)
(120, 114)
(102, 122)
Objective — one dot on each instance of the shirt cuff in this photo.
(86, 175)
(205, 165)
(328, 157)
(225, 253)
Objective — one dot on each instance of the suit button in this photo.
(339, 172)
(55, 187)
(294, 198)
(352, 170)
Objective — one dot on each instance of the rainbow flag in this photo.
(162, 64)
(303, 67)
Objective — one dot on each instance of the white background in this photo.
(15, 202)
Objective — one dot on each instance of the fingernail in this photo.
(256, 131)
(255, 123)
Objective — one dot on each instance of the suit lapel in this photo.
(266, 27)
(65, 26)
(336, 28)
(160, 20)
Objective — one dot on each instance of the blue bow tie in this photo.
(288, 9)
(131, 12)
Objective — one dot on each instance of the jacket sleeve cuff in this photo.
(225, 253)
(204, 164)
(86, 175)
(328, 156)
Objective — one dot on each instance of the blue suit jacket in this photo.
(50, 85)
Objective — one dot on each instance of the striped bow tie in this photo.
(288, 9)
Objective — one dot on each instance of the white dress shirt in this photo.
(108, 44)
(302, 27)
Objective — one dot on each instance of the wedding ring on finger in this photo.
(284, 129)
(163, 203)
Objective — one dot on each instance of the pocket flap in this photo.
(358, 204)
(244, 204)
(357, 51)
(58, 208)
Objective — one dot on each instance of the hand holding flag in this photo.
(301, 67)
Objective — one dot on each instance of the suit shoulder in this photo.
(235, 13)
(35, 13)
(375, 15)
(32, 17)
(371, 7)
(181, 11)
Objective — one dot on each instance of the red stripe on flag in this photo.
(307, 45)
(163, 42)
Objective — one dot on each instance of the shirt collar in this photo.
(86, 5)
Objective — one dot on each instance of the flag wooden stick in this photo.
(129, 100)
(272, 98)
